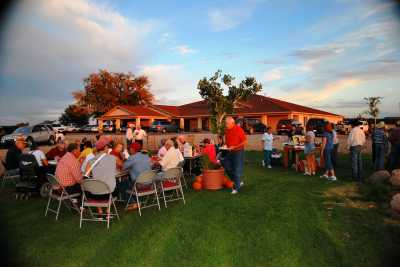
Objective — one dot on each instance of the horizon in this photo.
(325, 56)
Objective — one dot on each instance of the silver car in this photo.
(32, 134)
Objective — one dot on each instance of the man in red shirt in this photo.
(235, 140)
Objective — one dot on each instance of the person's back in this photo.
(378, 136)
(12, 158)
(356, 137)
(137, 163)
(210, 151)
(394, 136)
(329, 140)
(105, 169)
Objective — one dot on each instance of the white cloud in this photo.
(272, 75)
(184, 50)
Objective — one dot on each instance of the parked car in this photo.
(33, 134)
(89, 128)
(343, 127)
(108, 128)
(252, 125)
(285, 125)
(72, 128)
(58, 127)
(317, 125)
(5, 130)
(163, 126)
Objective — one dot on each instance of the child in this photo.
(309, 151)
(267, 141)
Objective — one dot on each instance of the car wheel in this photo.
(51, 140)
(29, 141)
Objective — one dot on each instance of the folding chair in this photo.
(171, 181)
(97, 187)
(144, 187)
(9, 175)
(60, 195)
(181, 165)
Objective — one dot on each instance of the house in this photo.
(196, 115)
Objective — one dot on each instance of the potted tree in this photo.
(213, 174)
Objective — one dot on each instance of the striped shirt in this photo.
(68, 170)
(379, 136)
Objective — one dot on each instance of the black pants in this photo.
(73, 189)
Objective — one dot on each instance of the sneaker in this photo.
(241, 183)
(324, 176)
(332, 178)
(263, 163)
(234, 192)
(307, 174)
(269, 166)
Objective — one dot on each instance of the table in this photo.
(288, 148)
(191, 160)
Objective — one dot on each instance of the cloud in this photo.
(226, 18)
(270, 61)
(184, 50)
(272, 75)
(316, 53)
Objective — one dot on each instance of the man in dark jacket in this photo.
(14, 152)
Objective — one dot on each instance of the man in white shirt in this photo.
(139, 134)
(129, 135)
(172, 158)
(355, 141)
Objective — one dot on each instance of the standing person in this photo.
(326, 150)
(380, 141)
(394, 138)
(129, 135)
(355, 141)
(335, 147)
(267, 141)
(233, 162)
(309, 151)
(139, 134)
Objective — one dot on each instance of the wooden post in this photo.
(137, 122)
(199, 124)
(118, 124)
(100, 122)
(182, 123)
(264, 119)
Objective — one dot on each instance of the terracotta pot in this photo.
(213, 179)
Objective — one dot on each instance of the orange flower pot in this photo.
(213, 179)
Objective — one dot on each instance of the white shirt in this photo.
(335, 138)
(161, 152)
(356, 137)
(39, 155)
(171, 159)
(85, 162)
(129, 134)
(268, 141)
(139, 134)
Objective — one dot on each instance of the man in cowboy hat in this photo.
(380, 141)
(13, 154)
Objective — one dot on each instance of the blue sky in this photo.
(325, 54)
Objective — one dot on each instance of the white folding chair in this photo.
(144, 186)
(60, 195)
(171, 181)
(97, 187)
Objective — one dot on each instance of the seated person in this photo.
(172, 158)
(162, 151)
(68, 170)
(117, 153)
(56, 152)
(87, 149)
(13, 154)
(105, 169)
(209, 150)
(39, 155)
(137, 162)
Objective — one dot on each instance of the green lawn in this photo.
(280, 218)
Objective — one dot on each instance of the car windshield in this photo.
(22, 130)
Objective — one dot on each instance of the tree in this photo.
(373, 109)
(104, 90)
(75, 114)
(221, 105)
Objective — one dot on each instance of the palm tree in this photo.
(373, 109)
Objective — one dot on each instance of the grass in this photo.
(280, 218)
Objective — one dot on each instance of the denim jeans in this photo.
(394, 156)
(328, 159)
(233, 164)
(356, 162)
(379, 161)
(335, 155)
(267, 157)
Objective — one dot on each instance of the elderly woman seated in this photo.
(172, 158)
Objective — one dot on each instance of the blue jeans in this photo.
(267, 157)
(233, 164)
(356, 162)
(328, 159)
(379, 161)
(394, 156)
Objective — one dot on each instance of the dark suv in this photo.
(285, 125)
(317, 125)
(163, 126)
(252, 125)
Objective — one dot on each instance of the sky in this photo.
(324, 54)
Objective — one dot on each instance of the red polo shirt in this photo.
(234, 137)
